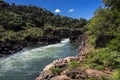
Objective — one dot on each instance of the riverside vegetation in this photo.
(24, 26)
(99, 57)
(101, 52)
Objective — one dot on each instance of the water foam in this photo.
(19, 60)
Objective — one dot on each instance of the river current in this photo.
(27, 64)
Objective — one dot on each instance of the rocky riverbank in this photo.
(69, 69)
(11, 47)
(47, 73)
(8, 47)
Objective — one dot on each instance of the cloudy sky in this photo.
(71, 8)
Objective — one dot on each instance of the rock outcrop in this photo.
(12, 46)
(46, 74)
(8, 47)
(79, 73)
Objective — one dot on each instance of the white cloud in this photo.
(57, 11)
(71, 10)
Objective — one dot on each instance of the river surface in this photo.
(27, 64)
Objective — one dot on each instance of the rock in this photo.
(62, 33)
(60, 78)
(12, 46)
(45, 75)
(76, 74)
(74, 34)
(96, 73)
(53, 39)
(48, 67)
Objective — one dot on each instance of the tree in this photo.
(81, 23)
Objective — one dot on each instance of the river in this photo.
(27, 64)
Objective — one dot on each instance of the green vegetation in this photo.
(19, 21)
(103, 58)
(74, 64)
(56, 70)
(104, 32)
(116, 75)
(104, 27)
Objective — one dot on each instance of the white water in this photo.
(27, 63)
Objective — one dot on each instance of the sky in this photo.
(71, 8)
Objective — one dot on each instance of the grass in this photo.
(74, 64)
(56, 70)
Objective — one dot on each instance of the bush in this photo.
(115, 43)
(116, 75)
(56, 70)
(102, 58)
(92, 40)
(9, 35)
(73, 64)
(33, 32)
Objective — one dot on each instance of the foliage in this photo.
(102, 58)
(116, 75)
(56, 70)
(33, 32)
(8, 35)
(106, 22)
(73, 65)
(114, 44)
(101, 23)
(82, 22)
(19, 21)
(92, 40)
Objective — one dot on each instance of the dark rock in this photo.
(12, 46)
(62, 33)
(74, 34)
(53, 39)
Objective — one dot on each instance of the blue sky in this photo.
(71, 8)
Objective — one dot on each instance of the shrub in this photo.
(73, 64)
(56, 70)
(116, 75)
(103, 58)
